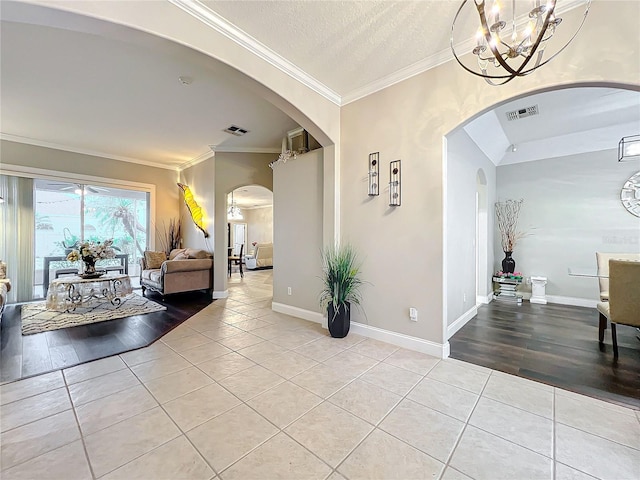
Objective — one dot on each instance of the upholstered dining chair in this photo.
(237, 260)
(602, 260)
(623, 306)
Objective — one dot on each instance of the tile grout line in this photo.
(464, 427)
(82, 438)
(159, 405)
(376, 427)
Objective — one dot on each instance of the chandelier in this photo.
(511, 41)
(234, 212)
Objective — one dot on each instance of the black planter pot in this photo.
(340, 321)
(508, 263)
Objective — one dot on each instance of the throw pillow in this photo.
(195, 253)
(3, 270)
(176, 251)
(181, 256)
(154, 259)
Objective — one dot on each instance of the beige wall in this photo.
(408, 121)
(31, 156)
(259, 225)
(297, 242)
(200, 178)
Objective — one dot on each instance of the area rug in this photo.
(36, 318)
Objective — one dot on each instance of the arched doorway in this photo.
(250, 226)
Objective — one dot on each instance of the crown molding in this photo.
(247, 150)
(223, 26)
(196, 160)
(84, 151)
(396, 77)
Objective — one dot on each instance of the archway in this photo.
(595, 117)
(250, 227)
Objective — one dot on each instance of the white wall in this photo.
(571, 210)
(297, 242)
(464, 159)
(259, 225)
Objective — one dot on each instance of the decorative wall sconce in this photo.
(374, 174)
(629, 147)
(194, 209)
(395, 197)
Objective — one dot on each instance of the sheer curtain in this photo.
(17, 235)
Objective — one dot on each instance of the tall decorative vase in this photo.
(508, 263)
(339, 321)
(89, 266)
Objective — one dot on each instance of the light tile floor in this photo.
(241, 392)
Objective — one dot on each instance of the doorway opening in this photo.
(250, 226)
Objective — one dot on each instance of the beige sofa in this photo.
(185, 270)
(262, 257)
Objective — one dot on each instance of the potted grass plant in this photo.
(341, 278)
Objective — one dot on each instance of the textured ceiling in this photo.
(569, 121)
(345, 45)
(100, 88)
(121, 96)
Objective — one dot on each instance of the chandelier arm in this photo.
(487, 35)
(584, 17)
(484, 75)
(535, 46)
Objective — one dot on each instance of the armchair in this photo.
(185, 270)
(262, 257)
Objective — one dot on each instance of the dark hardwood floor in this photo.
(553, 344)
(24, 356)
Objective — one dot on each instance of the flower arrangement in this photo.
(507, 214)
(91, 252)
(514, 275)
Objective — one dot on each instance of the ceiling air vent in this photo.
(236, 130)
(522, 113)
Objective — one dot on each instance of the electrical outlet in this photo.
(413, 314)
(288, 290)
(464, 297)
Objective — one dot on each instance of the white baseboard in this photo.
(576, 302)
(220, 294)
(484, 299)
(540, 301)
(401, 340)
(298, 312)
(461, 321)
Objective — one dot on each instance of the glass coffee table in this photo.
(65, 294)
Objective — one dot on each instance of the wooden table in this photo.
(67, 293)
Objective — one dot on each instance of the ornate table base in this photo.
(67, 293)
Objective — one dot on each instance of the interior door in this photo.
(239, 237)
